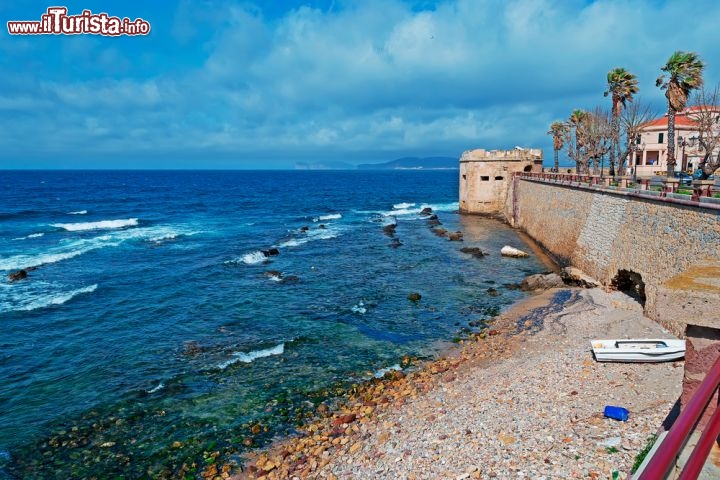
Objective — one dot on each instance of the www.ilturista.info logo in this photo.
(57, 22)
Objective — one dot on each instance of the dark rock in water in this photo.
(271, 252)
(434, 222)
(426, 211)
(395, 243)
(455, 236)
(19, 275)
(304, 228)
(322, 225)
(389, 230)
(511, 286)
(492, 292)
(192, 348)
(474, 251)
(291, 279)
(440, 232)
(273, 273)
(30, 269)
(433, 217)
(414, 297)
(542, 282)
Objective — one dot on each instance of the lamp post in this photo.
(683, 163)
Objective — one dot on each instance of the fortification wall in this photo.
(603, 233)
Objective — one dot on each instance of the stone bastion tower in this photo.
(486, 176)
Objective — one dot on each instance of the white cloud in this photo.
(372, 76)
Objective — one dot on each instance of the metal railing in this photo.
(667, 453)
(702, 193)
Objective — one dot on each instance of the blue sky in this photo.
(242, 84)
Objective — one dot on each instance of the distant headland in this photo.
(404, 163)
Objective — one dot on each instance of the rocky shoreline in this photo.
(524, 399)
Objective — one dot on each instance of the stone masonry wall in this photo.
(602, 233)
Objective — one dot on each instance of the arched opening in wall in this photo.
(527, 168)
(630, 283)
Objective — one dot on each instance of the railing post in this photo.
(664, 457)
(670, 185)
(702, 188)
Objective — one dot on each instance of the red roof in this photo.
(680, 121)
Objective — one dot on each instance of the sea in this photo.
(170, 315)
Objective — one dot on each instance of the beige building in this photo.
(651, 155)
(485, 176)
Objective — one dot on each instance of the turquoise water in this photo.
(154, 328)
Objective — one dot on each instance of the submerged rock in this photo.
(440, 232)
(389, 230)
(414, 297)
(271, 252)
(19, 275)
(492, 292)
(426, 211)
(455, 236)
(474, 251)
(508, 251)
(395, 243)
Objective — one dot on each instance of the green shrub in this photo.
(643, 453)
(683, 191)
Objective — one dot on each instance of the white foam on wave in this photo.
(275, 277)
(24, 300)
(251, 356)
(392, 368)
(79, 212)
(325, 218)
(252, 258)
(101, 225)
(159, 387)
(70, 248)
(402, 206)
(359, 308)
(32, 235)
(326, 233)
(438, 207)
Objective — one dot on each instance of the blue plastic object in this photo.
(617, 413)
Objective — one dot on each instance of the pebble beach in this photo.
(524, 399)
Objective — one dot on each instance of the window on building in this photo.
(484, 178)
(498, 178)
(527, 168)
(661, 137)
(638, 140)
(464, 177)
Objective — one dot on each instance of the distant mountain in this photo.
(414, 163)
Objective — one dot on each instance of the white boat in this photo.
(638, 350)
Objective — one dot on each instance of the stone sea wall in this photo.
(603, 233)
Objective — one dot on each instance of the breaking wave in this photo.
(251, 356)
(311, 235)
(70, 249)
(101, 225)
(79, 212)
(413, 209)
(25, 301)
(324, 218)
(401, 206)
(32, 235)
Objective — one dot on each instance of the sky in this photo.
(270, 84)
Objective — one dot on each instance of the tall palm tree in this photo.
(683, 74)
(557, 130)
(576, 122)
(622, 85)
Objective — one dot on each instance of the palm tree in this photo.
(576, 121)
(622, 85)
(557, 130)
(684, 74)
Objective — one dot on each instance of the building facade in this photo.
(650, 157)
